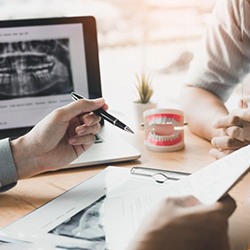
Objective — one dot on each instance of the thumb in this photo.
(226, 205)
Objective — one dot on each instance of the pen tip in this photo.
(129, 130)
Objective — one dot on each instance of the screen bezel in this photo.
(91, 55)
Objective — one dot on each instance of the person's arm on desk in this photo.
(219, 65)
(226, 131)
(201, 117)
(185, 224)
(53, 143)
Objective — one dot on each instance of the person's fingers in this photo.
(82, 143)
(245, 113)
(227, 142)
(246, 130)
(239, 133)
(89, 119)
(218, 154)
(244, 103)
(83, 129)
(80, 125)
(67, 112)
(187, 201)
(236, 133)
(235, 118)
(81, 148)
(229, 120)
(105, 106)
(226, 205)
(85, 140)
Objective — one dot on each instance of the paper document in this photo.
(105, 211)
(123, 214)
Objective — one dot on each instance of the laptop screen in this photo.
(41, 62)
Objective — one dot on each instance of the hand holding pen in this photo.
(105, 115)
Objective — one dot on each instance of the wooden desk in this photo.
(31, 193)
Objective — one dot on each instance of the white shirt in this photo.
(223, 59)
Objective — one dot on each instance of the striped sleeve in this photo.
(223, 59)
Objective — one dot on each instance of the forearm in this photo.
(201, 108)
(24, 158)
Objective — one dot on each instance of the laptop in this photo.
(41, 62)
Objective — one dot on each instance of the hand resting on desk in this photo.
(58, 139)
(185, 224)
(235, 132)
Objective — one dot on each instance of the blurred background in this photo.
(124, 22)
(155, 36)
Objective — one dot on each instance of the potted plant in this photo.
(144, 94)
(144, 88)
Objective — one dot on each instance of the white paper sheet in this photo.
(123, 214)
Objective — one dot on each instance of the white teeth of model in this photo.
(172, 138)
(157, 120)
(151, 122)
(163, 137)
(163, 120)
(170, 121)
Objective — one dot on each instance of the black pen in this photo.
(105, 115)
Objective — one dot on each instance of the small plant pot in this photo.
(139, 108)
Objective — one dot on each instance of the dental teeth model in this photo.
(164, 129)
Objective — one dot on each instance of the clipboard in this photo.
(159, 175)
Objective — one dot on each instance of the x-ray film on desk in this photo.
(76, 218)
